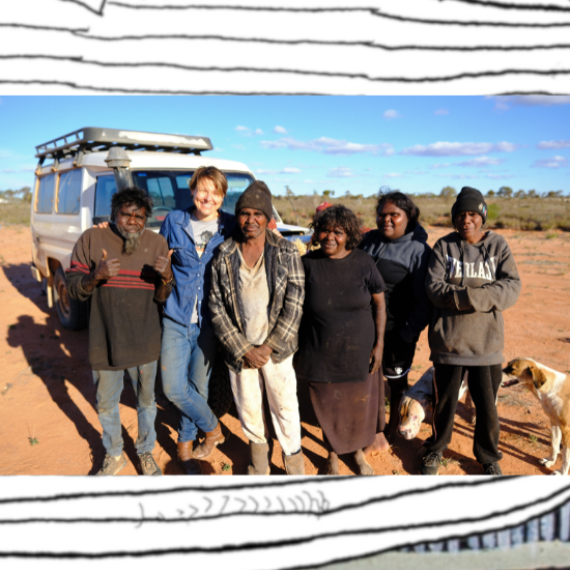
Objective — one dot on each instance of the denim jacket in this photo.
(192, 273)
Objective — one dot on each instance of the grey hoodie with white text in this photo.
(485, 281)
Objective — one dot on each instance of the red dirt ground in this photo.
(48, 423)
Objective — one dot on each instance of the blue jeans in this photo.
(108, 386)
(186, 363)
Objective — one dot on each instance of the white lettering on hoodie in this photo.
(477, 270)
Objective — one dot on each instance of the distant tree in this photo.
(532, 194)
(505, 192)
(448, 192)
(288, 192)
(327, 193)
(553, 194)
(520, 194)
(347, 194)
(490, 193)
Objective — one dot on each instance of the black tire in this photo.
(220, 397)
(73, 314)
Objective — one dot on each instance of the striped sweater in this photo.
(124, 322)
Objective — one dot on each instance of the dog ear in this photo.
(538, 376)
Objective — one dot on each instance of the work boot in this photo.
(259, 459)
(492, 469)
(190, 465)
(294, 464)
(213, 439)
(148, 464)
(112, 465)
(430, 463)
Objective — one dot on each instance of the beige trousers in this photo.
(281, 384)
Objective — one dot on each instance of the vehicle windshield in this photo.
(168, 190)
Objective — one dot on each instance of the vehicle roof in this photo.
(154, 160)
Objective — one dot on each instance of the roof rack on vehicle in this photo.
(92, 139)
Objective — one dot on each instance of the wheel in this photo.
(220, 397)
(73, 314)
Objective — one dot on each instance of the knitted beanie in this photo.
(258, 197)
(469, 200)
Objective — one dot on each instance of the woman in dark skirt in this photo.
(341, 337)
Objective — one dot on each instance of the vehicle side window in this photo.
(69, 192)
(161, 191)
(104, 191)
(44, 198)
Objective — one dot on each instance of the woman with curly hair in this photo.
(341, 337)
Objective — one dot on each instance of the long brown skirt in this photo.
(347, 412)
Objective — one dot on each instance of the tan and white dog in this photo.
(417, 399)
(552, 389)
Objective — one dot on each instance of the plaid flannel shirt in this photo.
(286, 284)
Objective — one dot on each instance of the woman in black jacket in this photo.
(399, 248)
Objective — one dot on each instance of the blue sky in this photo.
(356, 144)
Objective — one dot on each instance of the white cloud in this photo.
(440, 165)
(327, 145)
(391, 114)
(457, 176)
(441, 112)
(531, 101)
(481, 161)
(242, 129)
(392, 175)
(499, 176)
(554, 162)
(340, 172)
(286, 170)
(458, 149)
(239, 146)
(16, 170)
(553, 144)
(258, 132)
(280, 130)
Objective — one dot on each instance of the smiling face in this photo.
(252, 222)
(333, 241)
(391, 221)
(468, 226)
(208, 199)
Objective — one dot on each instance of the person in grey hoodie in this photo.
(472, 278)
(401, 254)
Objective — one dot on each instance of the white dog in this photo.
(417, 399)
(552, 389)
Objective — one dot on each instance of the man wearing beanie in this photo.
(256, 300)
(471, 279)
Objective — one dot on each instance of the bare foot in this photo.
(332, 464)
(363, 466)
(379, 445)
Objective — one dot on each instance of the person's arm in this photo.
(287, 325)
(227, 332)
(163, 267)
(83, 275)
(498, 295)
(438, 290)
(418, 318)
(379, 305)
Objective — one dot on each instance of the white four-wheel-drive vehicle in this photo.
(78, 173)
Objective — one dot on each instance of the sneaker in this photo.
(148, 464)
(112, 465)
(492, 469)
(430, 463)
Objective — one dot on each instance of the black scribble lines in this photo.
(284, 525)
(515, 6)
(95, 6)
